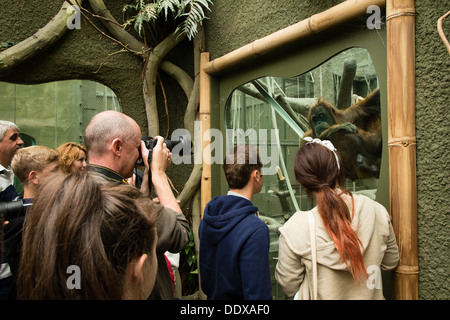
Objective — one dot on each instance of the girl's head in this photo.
(106, 231)
(72, 157)
(318, 165)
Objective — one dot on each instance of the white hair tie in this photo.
(327, 144)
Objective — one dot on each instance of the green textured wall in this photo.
(235, 23)
(433, 155)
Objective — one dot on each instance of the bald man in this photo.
(113, 140)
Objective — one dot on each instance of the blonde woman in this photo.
(72, 157)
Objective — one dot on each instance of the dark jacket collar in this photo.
(106, 172)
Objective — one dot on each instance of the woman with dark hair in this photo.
(105, 232)
(353, 235)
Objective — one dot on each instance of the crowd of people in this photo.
(81, 212)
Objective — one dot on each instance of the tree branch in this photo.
(441, 31)
(190, 186)
(181, 76)
(151, 69)
(39, 41)
(117, 31)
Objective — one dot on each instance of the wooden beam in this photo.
(204, 114)
(400, 16)
(327, 19)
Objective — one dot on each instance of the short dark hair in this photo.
(239, 163)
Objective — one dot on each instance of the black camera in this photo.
(184, 142)
(13, 209)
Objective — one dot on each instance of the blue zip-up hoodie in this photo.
(234, 251)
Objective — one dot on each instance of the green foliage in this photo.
(191, 260)
(185, 14)
(6, 44)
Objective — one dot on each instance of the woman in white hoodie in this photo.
(353, 234)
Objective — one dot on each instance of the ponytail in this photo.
(318, 169)
(336, 219)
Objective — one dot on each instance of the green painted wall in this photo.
(433, 155)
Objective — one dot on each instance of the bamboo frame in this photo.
(204, 114)
(327, 19)
(400, 16)
(401, 114)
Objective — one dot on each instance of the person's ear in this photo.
(256, 175)
(117, 146)
(33, 177)
(137, 269)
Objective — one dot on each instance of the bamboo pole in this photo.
(327, 19)
(204, 114)
(402, 142)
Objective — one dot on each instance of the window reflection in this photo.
(343, 94)
(55, 112)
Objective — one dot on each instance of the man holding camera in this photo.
(114, 146)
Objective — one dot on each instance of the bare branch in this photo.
(441, 31)
(39, 41)
(109, 55)
(151, 69)
(121, 37)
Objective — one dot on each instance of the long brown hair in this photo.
(317, 171)
(76, 220)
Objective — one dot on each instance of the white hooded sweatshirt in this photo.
(373, 227)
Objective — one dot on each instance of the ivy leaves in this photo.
(5, 45)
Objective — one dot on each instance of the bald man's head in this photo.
(105, 127)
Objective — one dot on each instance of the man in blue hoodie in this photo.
(234, 242)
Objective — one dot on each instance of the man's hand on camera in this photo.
(161, 157)
(144, 154)
(161, 160)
